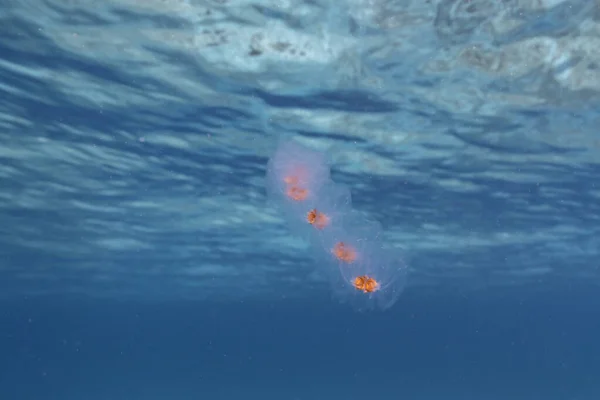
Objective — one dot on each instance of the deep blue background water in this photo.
(139, 260)
(495, 345)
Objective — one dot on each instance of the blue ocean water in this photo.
(138, 256)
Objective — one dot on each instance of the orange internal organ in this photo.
(297, 193)
(344, 252)
(317, 219)
(295, 175)
(365, 284)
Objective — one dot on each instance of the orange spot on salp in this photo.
(365, 284)
(371, 285)
(359, 282)
(297, 193)
(311, 217)
(317, 219)
(295, 175)
(344, 253)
